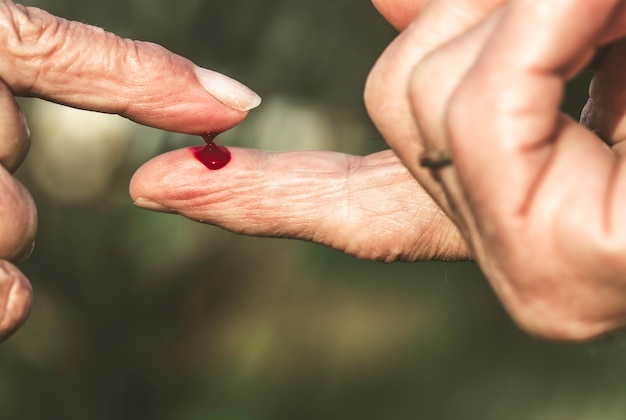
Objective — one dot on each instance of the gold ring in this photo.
(435, 159)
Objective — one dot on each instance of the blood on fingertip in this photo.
(212, 155)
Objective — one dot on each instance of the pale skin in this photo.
(536, 196)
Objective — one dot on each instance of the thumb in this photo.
(86, 67)
(366, 206)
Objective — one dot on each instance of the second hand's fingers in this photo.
(369, 207)
(540, 186)
(14, 135)
(19, 218)
(430, 90)
(385, 93)
(86, 67)
(509, 101)
(15, 299)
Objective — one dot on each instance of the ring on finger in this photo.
(435, 159)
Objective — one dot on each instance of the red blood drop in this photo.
(212, 155)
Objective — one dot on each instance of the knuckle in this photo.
(387, 103)
(29, 36)
(385, 88)
(424, 87)
(373, 92)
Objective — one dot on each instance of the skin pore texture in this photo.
(535, 197)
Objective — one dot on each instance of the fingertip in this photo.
(230, 92)
(189, 102)
(13, 131)
(166, 175)
(181, 182)
(16, 296)
(399, 13)
(18, 208)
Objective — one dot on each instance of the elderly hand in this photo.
(370, 206)
(86, 67)
(538, 197)
(19, 217)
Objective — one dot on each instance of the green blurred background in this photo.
(139, 315)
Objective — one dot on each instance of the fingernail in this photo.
(28, 252)
(148, 204)
(228, 91)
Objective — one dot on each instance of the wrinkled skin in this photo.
(532, 195)
(538, 197)
(85, 67)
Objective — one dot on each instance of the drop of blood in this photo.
(212, 155)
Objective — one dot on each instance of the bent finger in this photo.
(369, 207)
(14, 134)
(15, 299)
(430, 90)
(386, 90)
(509, 102)
(19, 218)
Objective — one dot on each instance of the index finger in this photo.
(86, 67)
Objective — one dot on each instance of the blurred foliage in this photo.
(140, 315)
